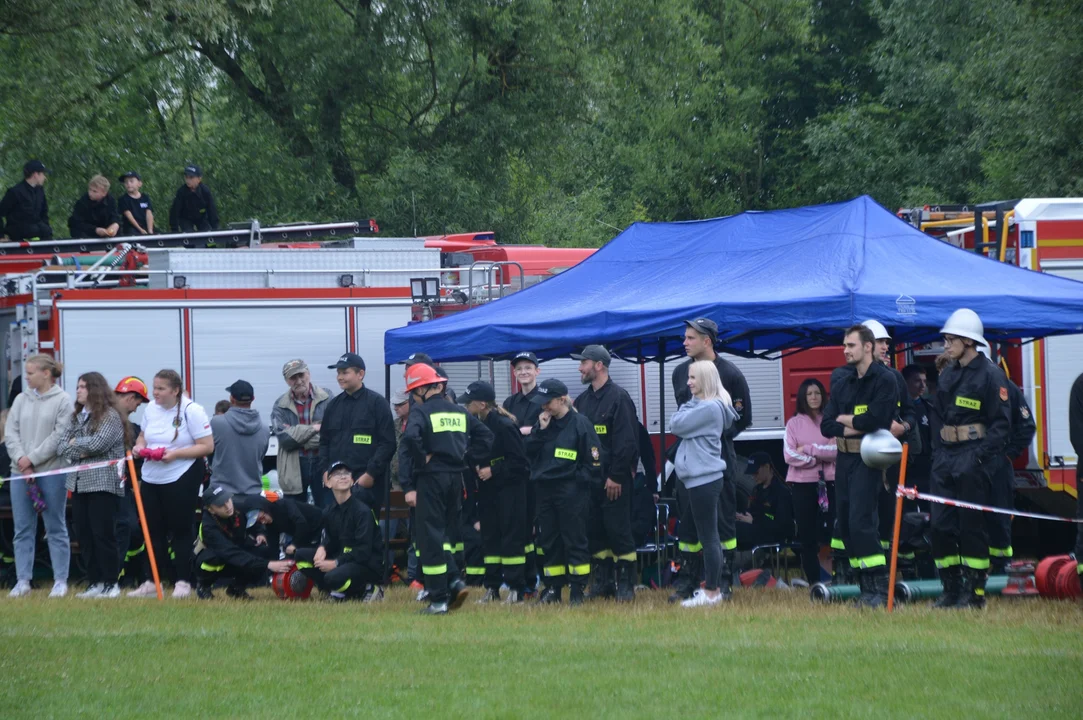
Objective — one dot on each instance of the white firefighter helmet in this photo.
(879, 332)
(965, 323)
(880, 450)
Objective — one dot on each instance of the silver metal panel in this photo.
(1063, 364)
(372, 323)
(252, 344)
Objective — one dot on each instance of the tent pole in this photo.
(387, 490)
(662, 411)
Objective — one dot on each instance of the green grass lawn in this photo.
(769, 653)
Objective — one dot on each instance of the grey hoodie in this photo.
(240, 443)
(700, 425)
(35, 427)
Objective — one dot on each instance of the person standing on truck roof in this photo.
(358, 430)
(296, 421)
(193, 207)
(136, 209)
(973, 403)
(24, 212)
(700, 337)
(613, 414)
(95, 214)
(241, 439)
(863, 398)
(1075, 434)
(525, 366)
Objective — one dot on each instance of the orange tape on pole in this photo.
(143, 523)
(898, 529)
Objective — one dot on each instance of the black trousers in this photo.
(689, 538)
(857, 492)
(131, 546)
(699, 508)
(727, 508)
(502, 507)
(959, 536)
(30, 231)
(1002, 495)
(439, 502)
(210, 569)
(563, 512)
(170, 511)
(348, 578)
(473, 558)
(188, 226)
(611, 524)
(813, 526)
(531, 569)
(95, 517)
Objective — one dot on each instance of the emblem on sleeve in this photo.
(1004, 394)
(594, 453)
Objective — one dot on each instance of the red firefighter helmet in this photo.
(420, 375)
(292, 585)
(133, 384)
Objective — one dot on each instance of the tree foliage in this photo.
(546, 121)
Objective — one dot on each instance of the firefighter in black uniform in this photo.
(1002, 491)
(349, 560)
(439, 435)
(193, 207)
(566, 467)
(1075, 434)
(299, 520)
(921, 461)
(864, 397)
(525, 366)
(224, 550)
(972, 403)
(700, 337)
(24, 212)
(502, 478)
(359, 430)
(611, 410)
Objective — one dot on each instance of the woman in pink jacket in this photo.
(810, 460)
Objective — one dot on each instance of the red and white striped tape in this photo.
(66, 470)
(912, 494)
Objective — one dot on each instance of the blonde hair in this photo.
(710, 384)
(47, 363)
(99, 181)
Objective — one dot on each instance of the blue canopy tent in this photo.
(771, 280)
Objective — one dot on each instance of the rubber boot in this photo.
(998, 566)
(840, 569)
(576, 595)
(876, 580)
(952, 578)
(729, 569)
(602, 580)
(864, 581)
(687, 578)
(974, 597)
(626, 588)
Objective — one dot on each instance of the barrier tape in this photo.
(912, 494)
(66, 470)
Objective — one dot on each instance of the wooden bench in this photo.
(400, 511)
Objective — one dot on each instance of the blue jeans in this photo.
(312, 479)
(26, 527)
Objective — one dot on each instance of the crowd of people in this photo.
(539, 488)
(24, 210)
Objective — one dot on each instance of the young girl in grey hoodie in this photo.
(700, 424)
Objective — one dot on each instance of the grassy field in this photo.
(767, 654)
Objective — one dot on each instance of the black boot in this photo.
(974, 595)
(576, 595)
(238, 592)
(841, 572)
(602, 580)
(952, 578)
(876, 580)
(729, 569)
(203, 592)
(550, 595)
(456, 592)
(864, 581)
(626, 588)
(687, 577)
(998, 566)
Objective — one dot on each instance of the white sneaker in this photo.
(700, 598)
(147, 589)
(21, 588)
(181, 590)
(110, 591)
(60, 589)
(93, 591)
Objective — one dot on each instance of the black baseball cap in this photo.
(34, 166)
(348, 360)
(193, 171)
(336, 465)
(242, 391)
(525, 355)
(130, 173)
(704, 326)
(479, 390)
(757, 460)
(595, 353)
(416, 358)
(217, 495)
(547, 390)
